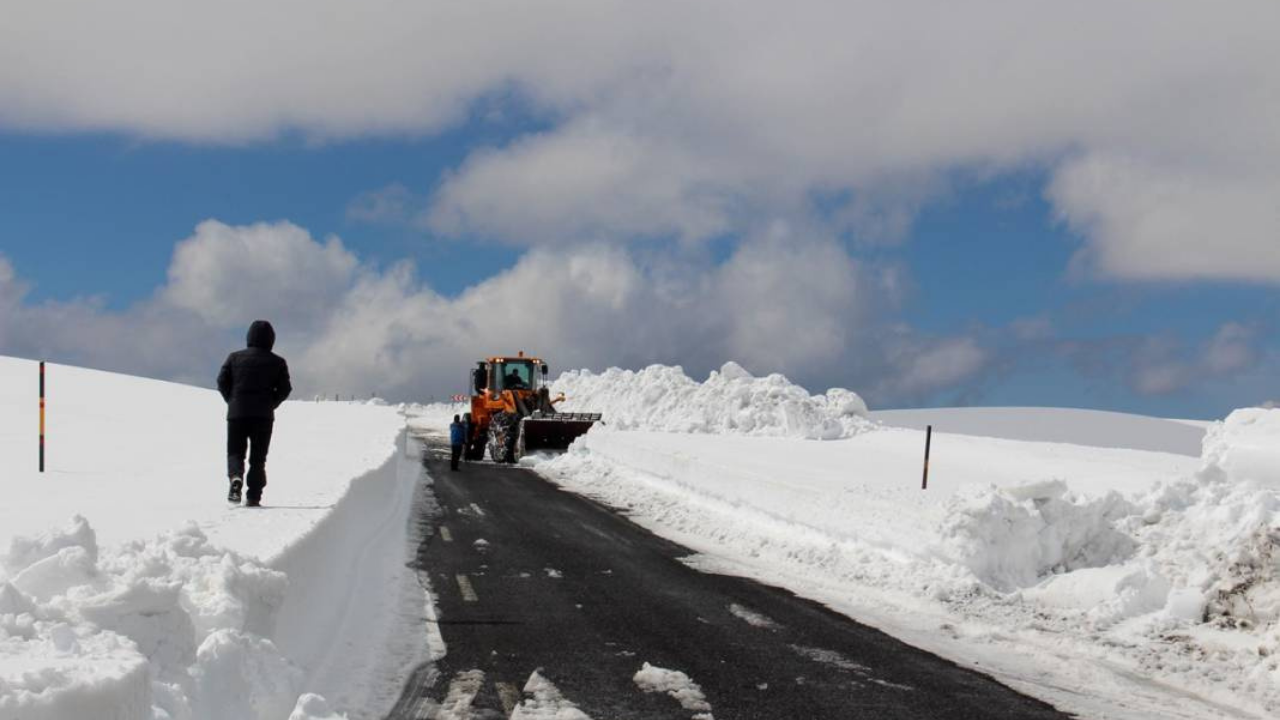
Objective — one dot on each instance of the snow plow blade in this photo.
(554, 431)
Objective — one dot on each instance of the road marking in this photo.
(510, 696)
(835, 659)
(445, 534)
(421, 710)
(476, 509)
(468, 592)
(462, 693)
(753, 618)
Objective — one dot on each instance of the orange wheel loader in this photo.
(513, 413)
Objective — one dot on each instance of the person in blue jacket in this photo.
(457, 436)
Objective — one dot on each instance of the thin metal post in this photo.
(928, 440)
(41, 416)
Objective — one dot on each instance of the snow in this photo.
(129, 589)
(1097, 560)
(652, 679)
(662, 397)
(1096, 428)
(545, 702)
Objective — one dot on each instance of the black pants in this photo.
(457, 454)
(253, 434)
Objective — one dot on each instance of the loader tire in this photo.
(503, 430)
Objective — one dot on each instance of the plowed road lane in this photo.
(530, 578)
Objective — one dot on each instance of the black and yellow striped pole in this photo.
(928, 440)
(41, 416)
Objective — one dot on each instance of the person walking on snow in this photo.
(254, 382)
(457, 436)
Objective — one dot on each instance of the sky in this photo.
(990, 203)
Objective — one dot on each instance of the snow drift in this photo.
(165, 603)
(1113, 582)
(663, 398)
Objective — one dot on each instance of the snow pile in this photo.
(1244, 448)
(433, 417)
(314, 707)
(678, 685)
(1012, 537)
(663, 398)
(174, 606)
(1217, 536)
(544, 702)
(171, 628)
(1151, 579)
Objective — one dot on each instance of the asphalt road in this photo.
(530, 578)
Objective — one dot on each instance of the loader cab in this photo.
(518, 373)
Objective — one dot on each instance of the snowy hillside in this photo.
(1097, 428)
(1098, 560)
(130, 590)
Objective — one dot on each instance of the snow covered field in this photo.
(1101, 561)
(130, 590)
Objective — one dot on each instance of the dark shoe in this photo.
(253, 502)
(234, 494)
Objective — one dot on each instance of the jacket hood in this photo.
(261, 335)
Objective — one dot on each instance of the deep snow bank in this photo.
(1117, 583)
(176, 627)
(663, 398)
(167, 603)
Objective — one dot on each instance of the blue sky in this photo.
(1059, 237)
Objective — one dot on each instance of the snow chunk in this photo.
(25, 552)
(1110, 594)
(663, 398)
(313, 707)
(688, 693)
(1011, 537)
(165, 624)
(1244, 448)
(547, 703)
(242, 677)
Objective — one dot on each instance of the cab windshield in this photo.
(517, 375)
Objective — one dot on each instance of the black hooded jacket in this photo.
(254, 381)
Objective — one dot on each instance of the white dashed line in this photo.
(445, 534)
(509, 695)
(462, 693)
(468, 592)
(476, 509)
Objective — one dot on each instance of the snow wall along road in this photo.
(156, 601)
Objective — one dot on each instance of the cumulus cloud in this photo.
(1164, 364)
(224, 273)
(788, 300)
(691, 119)
(586, 181)
(1158, 220)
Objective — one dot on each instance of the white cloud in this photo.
(1157, 221)
(923, 365)
(690, 118)
(1160, 366)
(583, 182)
(224, 273)
(789, 300)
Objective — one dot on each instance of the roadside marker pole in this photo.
(41, 416)
(928, 440)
